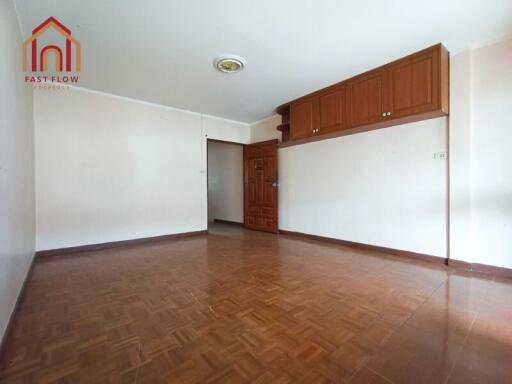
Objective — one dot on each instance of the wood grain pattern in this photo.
(332, 109)
(413, 88)
(241, 306)
(367, 98)
(365, 128)
(414, 85)
(260, 186)
(304, 116)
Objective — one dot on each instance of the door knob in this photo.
(383, 114)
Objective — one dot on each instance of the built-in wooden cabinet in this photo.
(304, 118)
(332, 109)
(414, 84)
(409, 89)
(367, 98)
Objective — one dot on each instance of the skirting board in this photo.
(481, 268)
(228, 222)
(114, 244)
(456, 264)
(12, 317)
(368, 247)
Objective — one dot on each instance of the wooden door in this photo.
(368, 98)
(332, 103)
(303, 118)
(415, 84)
(260, 186)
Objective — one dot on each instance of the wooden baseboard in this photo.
(458, 264)
(115, 244)
(455, 264)
(228, 222)
(369, 247)
(481, 268)
(12, 317)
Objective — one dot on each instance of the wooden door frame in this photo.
(207, 184)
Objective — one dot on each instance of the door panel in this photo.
(332, 109)
(367, 98)
(414, 85)
(260, 179)
(303, 118)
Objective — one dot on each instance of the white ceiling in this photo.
(162, 51)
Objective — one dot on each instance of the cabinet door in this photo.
(414, 85)
(332, 109)
(368, 98)
(303, 118)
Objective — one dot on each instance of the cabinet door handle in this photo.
(383, 114)
(389, 113)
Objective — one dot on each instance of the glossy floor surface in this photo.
(239, 306)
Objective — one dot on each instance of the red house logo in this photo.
(39, 56)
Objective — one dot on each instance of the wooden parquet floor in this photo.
(239, 306)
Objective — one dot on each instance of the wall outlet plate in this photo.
(441, 155)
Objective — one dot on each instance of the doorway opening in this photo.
(242, 184)
(225, 162)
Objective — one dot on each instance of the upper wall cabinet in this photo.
(368, 99)
(414, 86)
(304, 118)
(332, 109)
(409, 89)
(320, 113)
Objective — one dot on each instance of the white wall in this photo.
(16, 167)
(228, 130)
(225, 182)
(97, 171)
(111, 168)
(382, 187)
(266, 129)
(480, 183)
(491, 154)
(480, 145)
(460, 155)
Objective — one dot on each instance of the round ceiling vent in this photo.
(229, 63)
